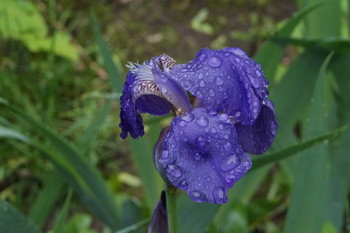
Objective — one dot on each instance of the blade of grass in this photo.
(78, 172)
(308, 199)
(12, 221)
(114, 75)
(259, 162)
(274, 51)
(90, 134)
(59, 226)
(47, 197)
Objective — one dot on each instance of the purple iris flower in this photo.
(221, 113)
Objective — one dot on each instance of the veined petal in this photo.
(149, 89)
(225, 80)
(257, 138)
(201, 155)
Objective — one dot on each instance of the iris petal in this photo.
(225, 80)
(257, 138)
(201, 155)
(149, 89)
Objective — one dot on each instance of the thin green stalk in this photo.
(171, 209)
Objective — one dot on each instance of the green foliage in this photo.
(20, 20)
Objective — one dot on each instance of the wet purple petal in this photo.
(149, 89)
(201, 155)
(225, 80)
(257, 138)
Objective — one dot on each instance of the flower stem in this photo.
(171, 209)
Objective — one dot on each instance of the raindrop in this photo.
(214, 62)
(182, 123)
(202, 83)
(254, 81)
(186, 84)
(199, 94)
(202, 121)
(213, 130)
(174, 170)
(211, 92)
(221, 126)
(183, 185)
(200, 141)
(219, 195)
(258, 73)
(228, 146)
(237, 114)
(223, 117)
(188, 117)
(202, 57)
(197, 156)
(198, 196)
(229, 163)
(165, 154)
(200, 76)
(219, 81)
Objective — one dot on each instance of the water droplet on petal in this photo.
(228, 146)
(197, 156)
(164, 154)
(183, 185)
(199, 94)
(186, 84)
(223, 117)
(198, 196)
(202, 121)
(202, 83)
(219, 195)
(214, 62)
(237, 114)
(219, 81)
(213, 130)
(203, 56)
(229, 163)
(254, 81)
(200, 141)
(174, 170)
(211, 92)
(258, 73)
(188, 117)
(182, 123)
(221, 126)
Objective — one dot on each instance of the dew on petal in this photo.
(202, 121)
(229, 163)
(200, 141)
(237, 114)
(188, 117)
(223, 117)
(258, 73)
(182, 123)
(197, 156)
(228, 146)
(202, 83)
(219, 195)
(214, 62)
(164, 154)
(183, 185)
(198, 196)
(174, 170)
(254, 81)
(202, 57)
(211, 92)
(219, 81)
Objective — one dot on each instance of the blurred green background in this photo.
(63, 167)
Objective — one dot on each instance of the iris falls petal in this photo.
(201, 155)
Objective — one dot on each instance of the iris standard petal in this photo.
(257, 138)
(225, 80)
(148, 89)
(201, 155)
